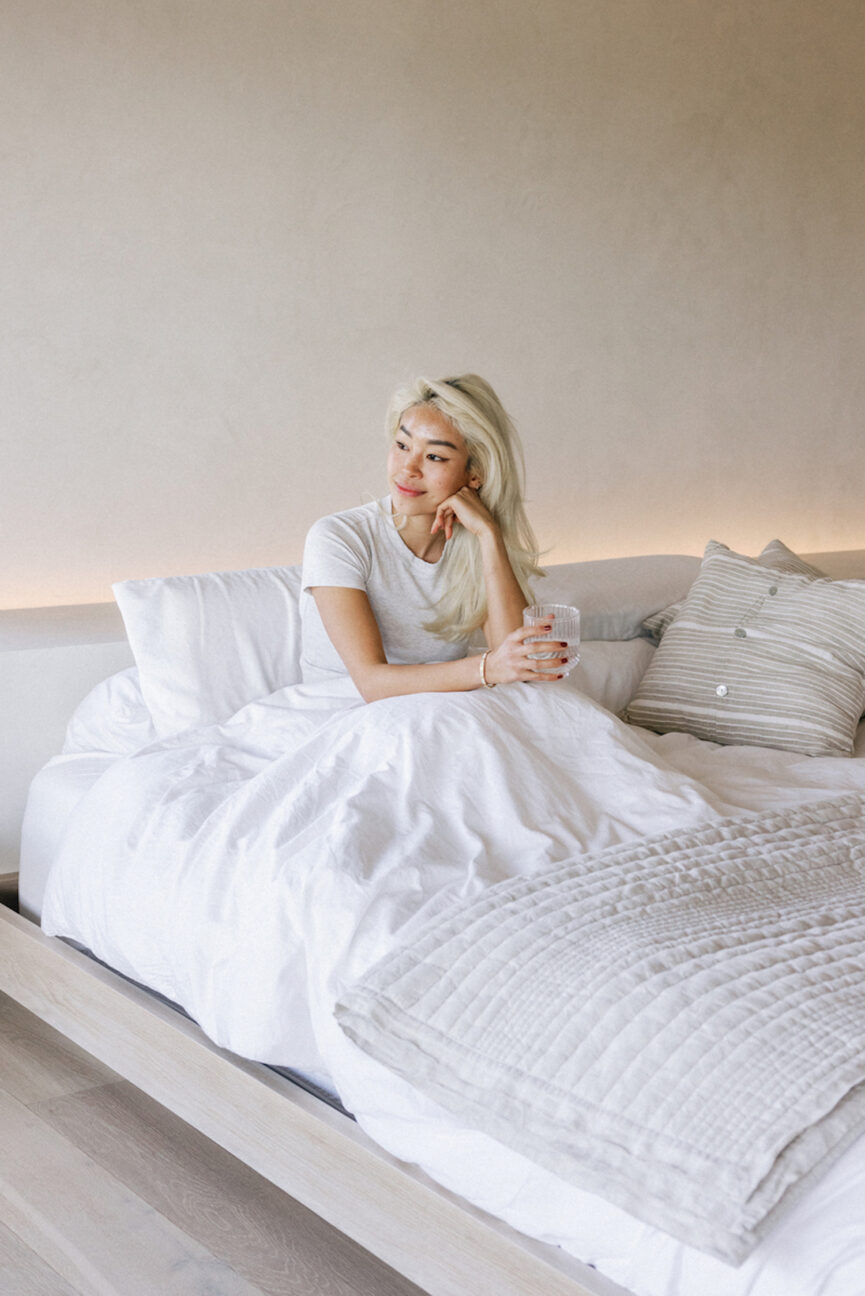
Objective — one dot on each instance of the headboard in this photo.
(50, 658)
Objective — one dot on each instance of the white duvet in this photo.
(253, 871)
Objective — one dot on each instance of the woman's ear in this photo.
(475, 482)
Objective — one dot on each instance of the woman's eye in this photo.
(400, 445)
(437, 458)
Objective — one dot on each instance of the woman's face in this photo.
(427, 462)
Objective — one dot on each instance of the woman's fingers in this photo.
(546, 665)
(444, 519)
(465, 507)
(516, 661)
(529, 632)
(544, 659)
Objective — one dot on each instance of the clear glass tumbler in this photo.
(566, 629)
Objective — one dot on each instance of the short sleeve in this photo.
(334, 554)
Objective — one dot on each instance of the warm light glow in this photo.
(840, 562)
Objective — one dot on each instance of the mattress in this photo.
(53, 796)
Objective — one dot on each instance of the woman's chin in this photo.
(412, 505)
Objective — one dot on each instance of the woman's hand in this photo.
(466, 508)
(511, 662)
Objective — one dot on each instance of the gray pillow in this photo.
(615, 595)
(760, 657)
(775, 555)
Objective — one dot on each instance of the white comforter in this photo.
(252, 872)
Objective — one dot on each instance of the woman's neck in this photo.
(415, 534)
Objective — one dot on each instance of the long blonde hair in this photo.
(496, 455)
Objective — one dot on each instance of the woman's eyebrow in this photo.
(449, 444)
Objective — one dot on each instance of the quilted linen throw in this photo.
(677, 1024)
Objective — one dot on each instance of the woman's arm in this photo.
(505, 599)
(353, 630)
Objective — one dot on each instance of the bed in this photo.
(256, 854)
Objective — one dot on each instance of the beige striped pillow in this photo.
(760, 657)
(775, 555)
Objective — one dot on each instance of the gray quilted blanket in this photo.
(677, 1024)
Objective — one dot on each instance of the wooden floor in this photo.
(105, 1193)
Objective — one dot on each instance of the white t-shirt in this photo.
(362, 549)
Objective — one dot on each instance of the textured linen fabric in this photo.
(361, 549)
(760, 657)
(775, 555)
(675, 1023)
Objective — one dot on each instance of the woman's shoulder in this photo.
(357, 518)
(359, 522)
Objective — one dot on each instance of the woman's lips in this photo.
(407, 490)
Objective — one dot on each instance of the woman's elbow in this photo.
(369, 684)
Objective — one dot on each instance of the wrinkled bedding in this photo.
(254, 871)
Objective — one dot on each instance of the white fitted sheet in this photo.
(54, 793)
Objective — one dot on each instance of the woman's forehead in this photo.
(428, 423)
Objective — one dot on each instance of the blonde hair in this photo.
(496, 455)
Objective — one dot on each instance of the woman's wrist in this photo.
(485, 680)
(489, 535)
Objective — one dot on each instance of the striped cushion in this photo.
(760, 657)
(775, 555)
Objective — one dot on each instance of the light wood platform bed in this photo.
(49, 658)
(318, 1156)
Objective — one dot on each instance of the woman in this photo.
(394, 590)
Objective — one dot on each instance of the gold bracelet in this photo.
(484, 681)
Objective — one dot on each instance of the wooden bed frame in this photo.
(314, 1153)
(311, 1151)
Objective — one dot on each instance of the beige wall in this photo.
(229, 227)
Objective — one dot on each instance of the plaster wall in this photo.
(229, 229)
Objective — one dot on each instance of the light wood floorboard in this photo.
(105, 1193)
(22, 1273)
(37, 1063)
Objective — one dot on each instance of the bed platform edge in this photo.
(314, 1153)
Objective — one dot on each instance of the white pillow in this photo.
(610, 671)
(112, 718)
(615, 595)
(207, 645)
